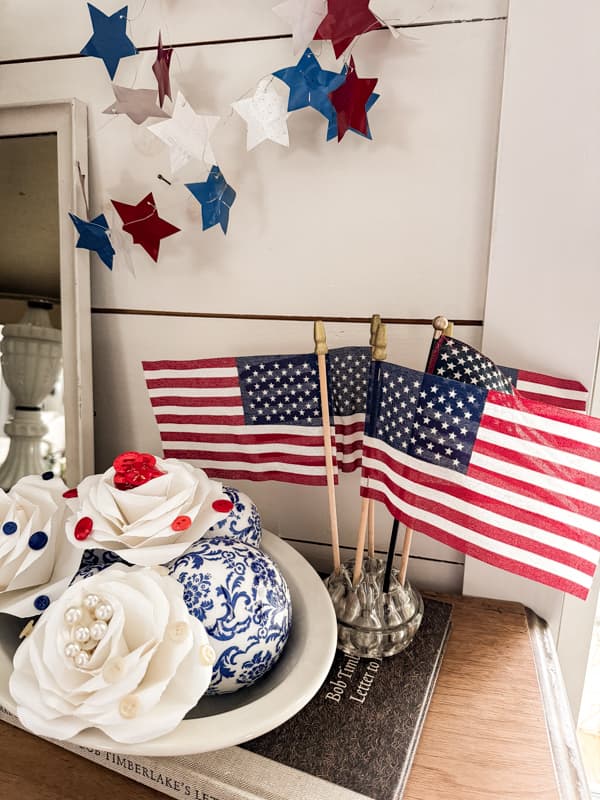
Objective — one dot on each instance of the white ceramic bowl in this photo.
(231, 719)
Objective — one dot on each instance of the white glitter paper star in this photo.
(304, 16)
(187, 134)
(138, 104)
(265, 114)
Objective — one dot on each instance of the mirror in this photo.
(46, 416)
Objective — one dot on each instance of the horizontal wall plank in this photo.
(425, 574)
(124, 418)
(54, 29)
(400, 223)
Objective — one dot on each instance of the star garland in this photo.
(342, 98)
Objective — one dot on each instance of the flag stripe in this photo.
(544, 417)
(536, 378)
(196, 402)
(464, 495)
(202, 419)
(192, 383)
(560, 446)
(202, 364)
(261, 472)
(560, 402)
(514, 565)
(241, 439)
(168, 393)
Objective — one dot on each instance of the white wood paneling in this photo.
(124, 418)
(401, 223)
(425, 574)
(34, 28)
(542, 308)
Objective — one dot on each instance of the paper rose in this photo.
(147, 510)
(37, 561)
(119, 652)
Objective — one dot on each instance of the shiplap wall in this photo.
(398, 226)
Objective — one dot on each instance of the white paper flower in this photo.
(171, 506)
(37, 561)
(119, 652)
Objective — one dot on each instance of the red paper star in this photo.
(144, 224)
(160, 68)
(346, 19)
(349, 101)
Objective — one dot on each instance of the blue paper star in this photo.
(310, 84)
(93, 236)
(216, 197)
(332, 127)
(109, 40)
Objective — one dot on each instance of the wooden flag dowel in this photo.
(379, 354)
(440, 325)
(321, 351)
(405, 555)
(375, 323)
(360, 541)
(371, 529)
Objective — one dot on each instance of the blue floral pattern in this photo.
(241, 597)
(242, 522)
(94, 561)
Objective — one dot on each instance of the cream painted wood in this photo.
(63, 28)
(427, 574)
(409, 212)
(68, 119)
(124, 418)
(542, 306)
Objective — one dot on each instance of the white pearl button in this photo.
(98, 630)
(207, 655)
(91, 601)
(103, 611)
(81, 659)
(72, 616)
(129, 707)
(113, 670)
(178, 631)
(82, 633)
(71, 649)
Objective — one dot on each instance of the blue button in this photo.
(42, 602)
(9, 527)
(47, 476)
(38, 540)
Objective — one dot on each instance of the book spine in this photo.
(231, 774)
(164, 775)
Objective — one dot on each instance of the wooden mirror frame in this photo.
(68, 120)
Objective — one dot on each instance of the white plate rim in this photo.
(310, 602)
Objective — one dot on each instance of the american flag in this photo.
(348, 373)
(255, 418)
(501, 478)
(462, 362)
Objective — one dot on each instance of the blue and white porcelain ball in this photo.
(242, 522)
(241, 597)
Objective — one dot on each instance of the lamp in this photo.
(31, 359)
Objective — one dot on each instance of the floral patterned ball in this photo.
(242, 522)
(242, 599)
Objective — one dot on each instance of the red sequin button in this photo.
(83, 528)
(181, 523)
(222, 506)
(133, 459)
(71, 493)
